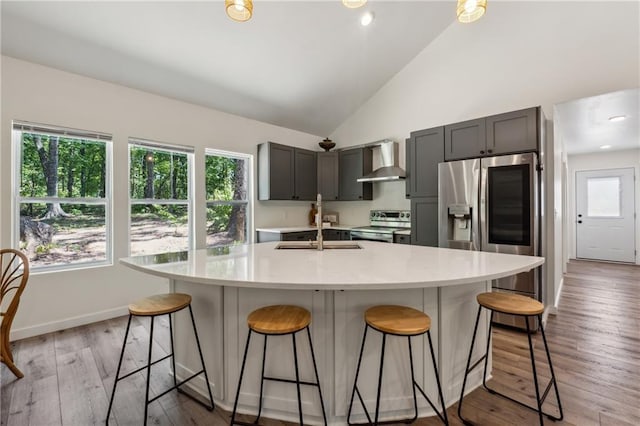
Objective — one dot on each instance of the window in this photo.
(228, 208)
(603, 196)
(63, 202)
(160, 197)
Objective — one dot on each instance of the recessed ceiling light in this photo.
(366, 19)
(605, 147)
(617, 118)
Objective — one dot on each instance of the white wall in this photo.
(39, 94)
(520, 54)
(600, 161)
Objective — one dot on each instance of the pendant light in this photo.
(470, 10)
(239, 10)
(354, 4)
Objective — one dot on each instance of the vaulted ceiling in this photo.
(298, 64)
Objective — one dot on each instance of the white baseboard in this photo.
(49, 327)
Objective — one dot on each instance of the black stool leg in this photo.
(244, 361)
(173, 353)
(204, 368)
(384, 342)
(413, 383)
(146, 398)
(486, 354)
(264, 358)
(115, 381)
(295, 363)
(467, 369)
(355, 381)
(315, 369)
(443, 417)
(553, 376)
(535, 374)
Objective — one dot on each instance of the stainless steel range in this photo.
(382, 225)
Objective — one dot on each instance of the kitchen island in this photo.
(336, 286)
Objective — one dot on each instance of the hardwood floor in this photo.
(594, 341)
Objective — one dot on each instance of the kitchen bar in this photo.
(336, 286)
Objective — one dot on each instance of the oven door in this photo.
(382, 237)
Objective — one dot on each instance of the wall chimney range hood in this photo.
(389, 170)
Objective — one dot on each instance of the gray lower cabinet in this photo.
(286, 173)
(424, 150)
(328, 175)
(508, 133)
(424, 221)
(353, 164)
(327, 235)
(402, 239)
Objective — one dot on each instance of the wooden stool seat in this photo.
(510, 303)
(400, 320)
(279, 319)
(160, 304)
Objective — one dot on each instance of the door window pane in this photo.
(603, 196)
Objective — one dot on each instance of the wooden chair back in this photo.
(14, 274)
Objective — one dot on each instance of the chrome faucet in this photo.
(319, 240)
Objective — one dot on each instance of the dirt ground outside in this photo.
(88, 244)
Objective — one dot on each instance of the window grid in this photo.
(46, 254)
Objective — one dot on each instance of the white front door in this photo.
(605, 222)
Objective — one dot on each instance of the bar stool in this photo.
(526, 307)
(153, 306)
(278, 320)
(397, 321)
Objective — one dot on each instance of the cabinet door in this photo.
(305, 174)
(465, 140)
(353, 164)
(425, 151)
(275, 172)
(424, 221)
(298, 236)
(328, 184)
(512, 132)
(345, 235)
(331, 234)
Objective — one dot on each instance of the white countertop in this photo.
(374, 266)
(302, 228)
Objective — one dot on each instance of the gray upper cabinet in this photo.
(425, 149)
(328, 175)
(353, 164)
(465, 140)
(507, 133)
(512, 132)
(286, 173)
(305, 173)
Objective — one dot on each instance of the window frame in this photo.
(249, 199)
(18, 128)
(189, 202)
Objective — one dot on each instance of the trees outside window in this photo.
(63, 200)
(160, 197)
(228, 198)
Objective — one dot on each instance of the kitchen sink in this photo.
(312, 245)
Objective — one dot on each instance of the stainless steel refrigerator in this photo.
(493, 204)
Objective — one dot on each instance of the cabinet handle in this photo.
(360, 196)
(481, 152)
(489, 151)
